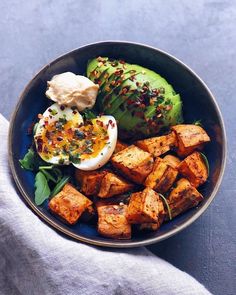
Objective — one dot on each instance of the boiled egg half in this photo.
(63, 137)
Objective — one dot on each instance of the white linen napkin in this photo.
(35, 259)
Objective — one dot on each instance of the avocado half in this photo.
(142, 101)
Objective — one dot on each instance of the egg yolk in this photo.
(65, 139)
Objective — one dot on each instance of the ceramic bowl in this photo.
(198, 103)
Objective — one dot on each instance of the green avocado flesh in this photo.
(142, 101)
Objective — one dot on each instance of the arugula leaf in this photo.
(50, 167)
(32, 161)
(48, 175)
(167, 205)
(60, 185)
(206, 162)
(28, 161)
(58, 174)
(42, 190)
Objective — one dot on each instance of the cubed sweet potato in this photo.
(112, 221)
(162, 176)
(145, 207)
(90, 181)
(189, 138)
(194, 169)
(158, 145)
(120, 146)
(134, 163)
(112, 185)
(69, 204)
(183, 197)
(172, 161)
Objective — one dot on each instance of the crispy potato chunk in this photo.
(162, 176)
(158, 145)
(69, 204)
(172, 161)
(134, 163)
(90, 181)
(112, 222)
(194, 169)
(145, 207)
(120, 146)
(112, 185)
(183, 197)
(189, 138)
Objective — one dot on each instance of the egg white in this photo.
(52, 114)
(105, 154)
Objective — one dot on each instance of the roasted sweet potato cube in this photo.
(183, 197)
(194, 169)
(112, 185)
(134, 163)
(112, 222)
(162, 176)
(120, 146)
(90, 181)
(145, 207)
(172, 161)
(189, 138)
(158, 145)
(69, 204)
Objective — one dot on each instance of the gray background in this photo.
(200, 33)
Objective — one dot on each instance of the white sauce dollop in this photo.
(72, 90)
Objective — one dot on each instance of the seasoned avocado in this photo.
(142, 101)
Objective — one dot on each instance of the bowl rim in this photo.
(115, 243)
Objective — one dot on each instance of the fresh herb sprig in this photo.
(198, 123)
(206, 162)
(167, 205)
(60, 185)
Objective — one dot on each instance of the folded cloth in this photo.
(35, 259)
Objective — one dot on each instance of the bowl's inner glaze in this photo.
(197, 103)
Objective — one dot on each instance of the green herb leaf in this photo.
(167, 205)
(57, 172)
(88, 114)
(198, 123)
(74, 158)
(54, 174)
(46, 167)
(32, 161)
(60, 185)
(48, 175)
(206, 162)
(42, 190)
(28, 161)
(54, 112)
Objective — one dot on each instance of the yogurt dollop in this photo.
(72, 90)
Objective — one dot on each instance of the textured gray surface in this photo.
(202, 35)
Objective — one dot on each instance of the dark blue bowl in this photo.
(198, 103)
